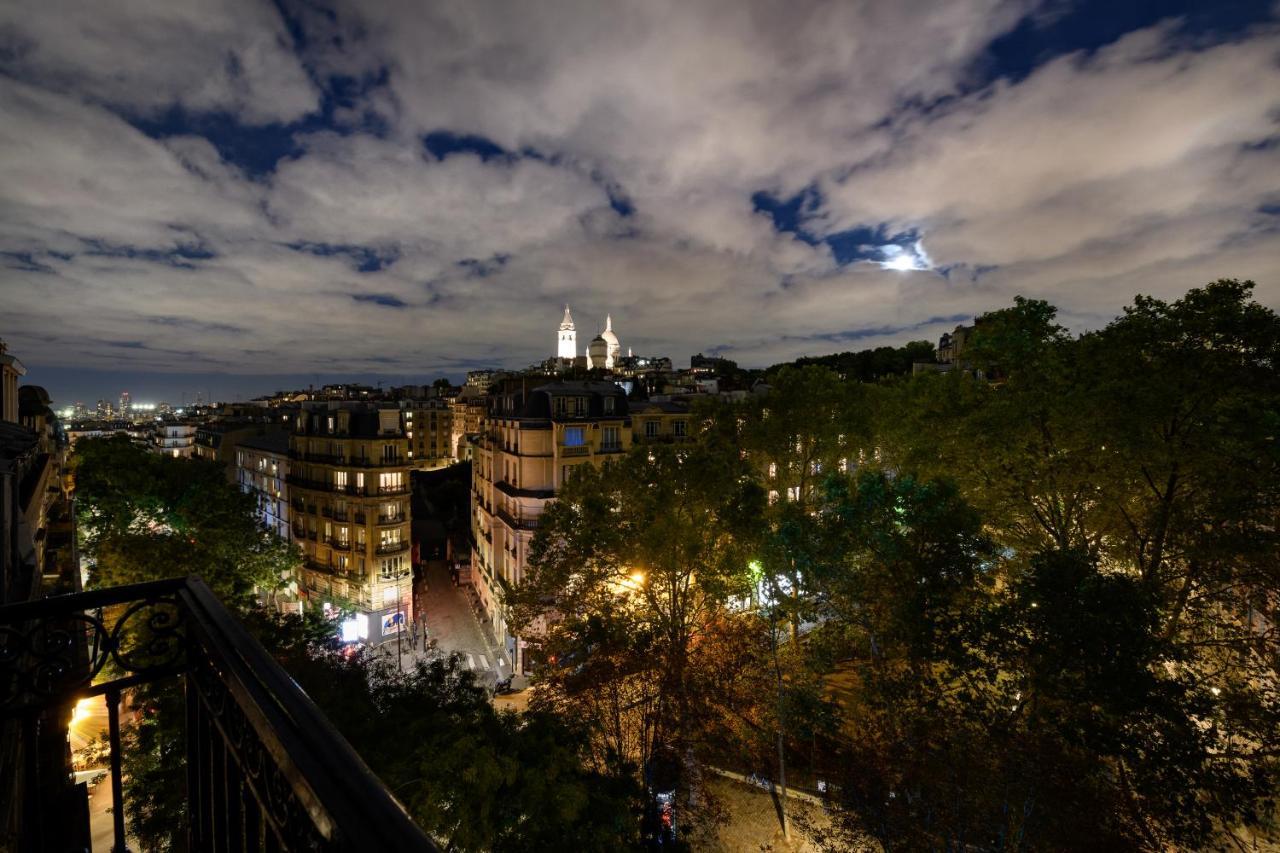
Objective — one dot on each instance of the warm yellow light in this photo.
(638, 578)
(81, 712)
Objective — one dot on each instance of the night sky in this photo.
(233, 196)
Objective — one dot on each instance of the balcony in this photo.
(576, 450)
(517, 522)
(265, 769)
(393, 490)
(398, 518)
(393, 547)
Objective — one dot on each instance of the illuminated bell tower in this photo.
(568, 337)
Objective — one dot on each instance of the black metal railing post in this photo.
(117, 778)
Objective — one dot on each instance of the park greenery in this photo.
(1028, 603)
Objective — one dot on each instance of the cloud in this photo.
(145, 56)
(442, 177)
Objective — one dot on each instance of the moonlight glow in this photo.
(905, 258)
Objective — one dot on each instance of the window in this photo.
(679, 428)
(560, 406)
(793, 493)
(388, 452)
(815, 467)
(610, 439)
(359, 481)
(330, 424)
(773, 497)
(844, 466)
(389, 538)
(773, 469)
(566, 472)
(650, 429)
(573, 437)
(391, 481)
(608, 405)
(340, 479)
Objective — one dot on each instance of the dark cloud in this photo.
(427, 184)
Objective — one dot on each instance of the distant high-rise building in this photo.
(125, 403)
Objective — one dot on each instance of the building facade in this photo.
(531, 441)
(174, 439)
(262, 470)
(349, 509)
(428, 427)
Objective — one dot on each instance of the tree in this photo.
(146, 516)
(630, 566)
(1146, 451)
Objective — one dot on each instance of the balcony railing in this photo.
(265, 769)
(393, 547)
(575, 450)
(517, 522)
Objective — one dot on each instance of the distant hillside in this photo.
(869, 365)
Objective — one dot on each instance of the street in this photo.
(445, 612)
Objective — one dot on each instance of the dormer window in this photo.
(608, 405)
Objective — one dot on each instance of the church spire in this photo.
(567, 322)
(608, 322)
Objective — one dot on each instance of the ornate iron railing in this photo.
(265, 768)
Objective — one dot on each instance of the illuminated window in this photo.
(340, 479)
(773, 497)
(574, 437)
(773, 469)
(793, 493)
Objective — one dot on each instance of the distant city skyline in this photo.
(67, 386)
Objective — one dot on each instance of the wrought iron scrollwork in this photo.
(43, 660)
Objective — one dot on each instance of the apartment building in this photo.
(262, 470)
(349, 489)
(174, 438)
(531, 441)
(428, 427)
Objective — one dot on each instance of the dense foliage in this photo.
(1027, 604)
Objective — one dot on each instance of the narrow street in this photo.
(445, 612)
